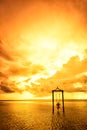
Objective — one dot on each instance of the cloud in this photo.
(5, 52)
(42, 38)
(72, 78)
(39, 90)
(24, 70)
(5, 88)
(73, 67)
(73, 72)
(2, 75)
(14, 73)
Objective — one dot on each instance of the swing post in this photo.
(63, 100)
(52, 101)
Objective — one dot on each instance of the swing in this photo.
(58, 102)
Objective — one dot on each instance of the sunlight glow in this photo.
(41, 41)
(27, 95)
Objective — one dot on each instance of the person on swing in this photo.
(58, 105)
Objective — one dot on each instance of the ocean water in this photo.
(37, 115)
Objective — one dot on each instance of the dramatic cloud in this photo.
(5, 53)
(5, 88)
(43, 44)
(72, 78)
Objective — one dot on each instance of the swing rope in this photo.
(58, 101)
(58, 97)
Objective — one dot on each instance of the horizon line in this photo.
(43, 100)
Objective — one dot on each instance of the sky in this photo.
(43, 44)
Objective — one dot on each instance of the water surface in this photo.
(37, 115)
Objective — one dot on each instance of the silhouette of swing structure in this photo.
(57, 90)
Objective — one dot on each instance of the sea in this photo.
(38, 115)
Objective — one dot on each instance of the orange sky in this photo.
(43, 44)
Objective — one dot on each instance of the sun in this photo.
(27, 95)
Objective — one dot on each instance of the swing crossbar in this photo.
(57, 90)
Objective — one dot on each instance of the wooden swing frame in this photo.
(57, 90)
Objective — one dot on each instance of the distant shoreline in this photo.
(47, 100)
